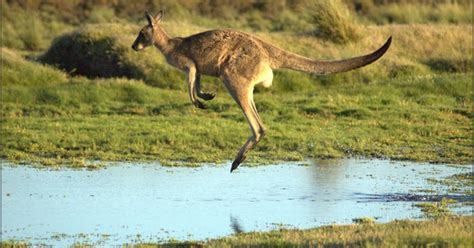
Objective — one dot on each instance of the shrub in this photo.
(27, 29)
(257, 22)
(287, 20)
(104, 50)
(333, 21)
(102, 15)
(22, 30)
(421, 13)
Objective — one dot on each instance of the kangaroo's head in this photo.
(146, 37)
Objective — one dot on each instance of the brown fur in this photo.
(241, 60)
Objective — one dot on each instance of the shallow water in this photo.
(129, 203)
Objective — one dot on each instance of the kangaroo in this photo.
(241, 61)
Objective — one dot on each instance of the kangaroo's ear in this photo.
(159, 16)
(150, 19)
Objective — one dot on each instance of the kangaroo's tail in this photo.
(293, 61)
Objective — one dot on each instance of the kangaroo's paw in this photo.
(199, 104)
(207, 95)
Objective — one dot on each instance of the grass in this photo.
(420, 13)
(458, 183)
(454, 231)
(420, 118)
(442, 232)
(436, 209)
(29, 30)
(17, 71)
(334, 22)
(111, 103)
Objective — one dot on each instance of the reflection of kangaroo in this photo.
(241, 60)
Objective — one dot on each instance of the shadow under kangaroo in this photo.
(241, 61)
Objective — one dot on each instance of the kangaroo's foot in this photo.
(206, 95)
(237, 162)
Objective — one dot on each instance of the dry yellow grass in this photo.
(447, 232)
(455, 232)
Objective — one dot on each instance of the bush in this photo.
(333, 21)
(421, 13)
(22, 30)
(28, 30)
(287, 20)
(104, 50)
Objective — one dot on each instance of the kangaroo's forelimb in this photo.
(203, 95)
(191, 78)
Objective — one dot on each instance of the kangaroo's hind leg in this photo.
(243, 95)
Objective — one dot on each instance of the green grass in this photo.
(459, 183)
(17, 71)
(27, 29)
(333, 21)
(418, 118)
(415, 103)
(436, 209)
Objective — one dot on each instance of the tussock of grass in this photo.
(437, 209)
(333, 21)
(26, 29)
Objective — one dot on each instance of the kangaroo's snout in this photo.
(137, 47)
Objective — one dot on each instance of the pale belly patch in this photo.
(265, 76)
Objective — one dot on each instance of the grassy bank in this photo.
(449, 232)
(442, 232)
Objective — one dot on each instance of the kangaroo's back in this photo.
(215, 49)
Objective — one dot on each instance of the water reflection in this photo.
(410, 197)
(235, 225)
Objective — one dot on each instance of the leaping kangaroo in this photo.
(240, 60)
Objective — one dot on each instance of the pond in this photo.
(133, 203)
